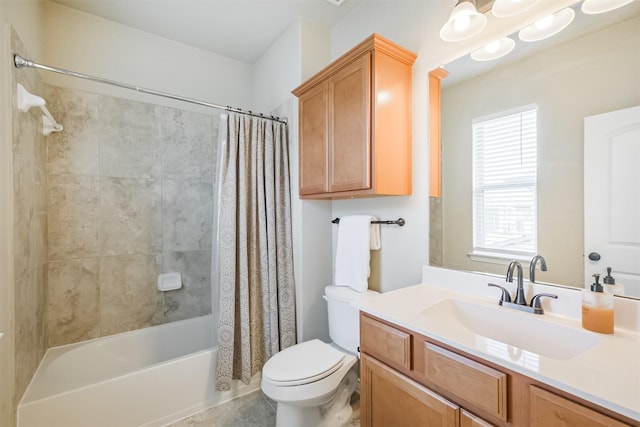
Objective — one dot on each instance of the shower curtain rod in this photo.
(22, 62)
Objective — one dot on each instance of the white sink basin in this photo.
(523, 331)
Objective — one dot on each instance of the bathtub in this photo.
(148, 377)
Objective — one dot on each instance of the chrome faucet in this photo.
(532, 267)
(519, 297)
(519, 300)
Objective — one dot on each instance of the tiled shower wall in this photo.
(130, 196)
(29, 229)
(436, 239)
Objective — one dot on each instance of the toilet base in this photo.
(287, 415)
(337, 412)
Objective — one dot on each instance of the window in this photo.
(504, 183)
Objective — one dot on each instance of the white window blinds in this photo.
(504, 183)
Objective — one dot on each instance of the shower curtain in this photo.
(257, 299)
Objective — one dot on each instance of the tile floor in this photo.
(251, 410)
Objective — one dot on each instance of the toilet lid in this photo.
(303, 363)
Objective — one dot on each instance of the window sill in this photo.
(498, 257)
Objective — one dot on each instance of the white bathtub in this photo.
(149, 377)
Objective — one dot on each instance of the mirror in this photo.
(590, 68)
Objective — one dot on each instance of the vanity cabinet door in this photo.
(548, 409)
(389, 399)
(467, 419)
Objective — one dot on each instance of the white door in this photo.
(612, 197)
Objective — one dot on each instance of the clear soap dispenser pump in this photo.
(597, 308)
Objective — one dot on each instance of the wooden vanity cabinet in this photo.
(410, 380)
(392, 399)
(549, 409)
(355, 124)
(394, 392)
(467, 419)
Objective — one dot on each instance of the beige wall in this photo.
(591, 75)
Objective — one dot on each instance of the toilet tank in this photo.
(344, 324)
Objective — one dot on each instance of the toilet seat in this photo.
(303, 363)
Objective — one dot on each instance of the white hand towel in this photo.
(374, 235)
(356, 237)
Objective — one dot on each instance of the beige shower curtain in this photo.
(257, 299)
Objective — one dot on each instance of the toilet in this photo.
(312, 382)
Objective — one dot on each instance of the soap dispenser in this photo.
(610, 284)
(597, 308)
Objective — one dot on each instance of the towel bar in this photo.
(399, 221)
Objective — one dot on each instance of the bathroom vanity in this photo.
(450, 356)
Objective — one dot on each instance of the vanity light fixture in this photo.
(506, 8)
(548, 26)
(592, 7)
(494, 50)
(464, 22)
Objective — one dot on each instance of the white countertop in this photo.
(607, 374)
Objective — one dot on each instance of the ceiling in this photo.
(238, 29)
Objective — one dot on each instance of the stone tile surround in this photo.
(130, 196)
(29, 257)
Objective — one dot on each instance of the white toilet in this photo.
(312, 382)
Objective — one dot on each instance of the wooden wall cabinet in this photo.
(355, 124)
(411, 380)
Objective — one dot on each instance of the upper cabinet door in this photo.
(355, 124)
(313, 147)
(349, 93)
